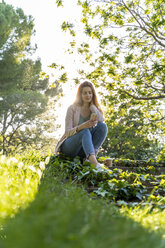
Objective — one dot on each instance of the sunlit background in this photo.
(52, 43)
(50, 40)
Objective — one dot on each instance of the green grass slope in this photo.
(62, 215)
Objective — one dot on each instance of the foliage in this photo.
(128, 138)
(19, 108)
(149, 216)
(139, 44)
(62, 215)
(162, 154)
(113, 184)
(59, 3)
(123, 50)
(19, 179)
(24, 90)
(135, 163)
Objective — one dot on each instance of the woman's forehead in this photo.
(86, 89)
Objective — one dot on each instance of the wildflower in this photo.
(47, 160)
(42, 165)
(20, 165)
(2, 159)
(39, 172)
(27, 181)
(12, 160)
(110, 171)
(32, 168)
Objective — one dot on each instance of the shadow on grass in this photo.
(63, 216)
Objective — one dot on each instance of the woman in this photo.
(85, 130)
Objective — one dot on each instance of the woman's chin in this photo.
(87, 101)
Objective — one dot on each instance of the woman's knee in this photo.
(102, 127)
(85, 132)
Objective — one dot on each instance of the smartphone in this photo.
(93, 116)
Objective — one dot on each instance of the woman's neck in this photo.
(85, 105)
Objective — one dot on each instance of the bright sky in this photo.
(50, 40)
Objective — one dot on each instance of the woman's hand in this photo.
(87, 124)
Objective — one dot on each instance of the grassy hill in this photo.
(44, 203)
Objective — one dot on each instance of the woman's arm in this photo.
(87, 124)
(69, 129)
(94, 109)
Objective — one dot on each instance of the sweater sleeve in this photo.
(94, 109)
(69, 129)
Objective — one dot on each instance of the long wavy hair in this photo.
(79, 100)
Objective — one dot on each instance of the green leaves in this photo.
(113, 184)
(123, 53)
(62, 78)
(19, 184)
(129, 58)
(68, 26)
(138, 39)
(123, 66)
(24, 94)
(59, 3)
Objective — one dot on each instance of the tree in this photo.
(133, 57)
(128, 66)
(128, 136)
(23, 93)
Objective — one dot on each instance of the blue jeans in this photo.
(85, 142)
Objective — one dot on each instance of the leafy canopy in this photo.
(123, 50)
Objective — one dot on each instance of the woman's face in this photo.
(87, 94)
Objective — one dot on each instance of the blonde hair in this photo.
(79, 100)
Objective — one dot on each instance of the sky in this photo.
(52, 42)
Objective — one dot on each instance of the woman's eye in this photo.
(87, 93)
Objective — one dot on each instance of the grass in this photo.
(56, 214)
(18, 185)
(149, 217)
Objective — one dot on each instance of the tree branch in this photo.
(162, 34)
(155, 35)
(11, 136)
(157, 89)
(140, 25)
(144, 98)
